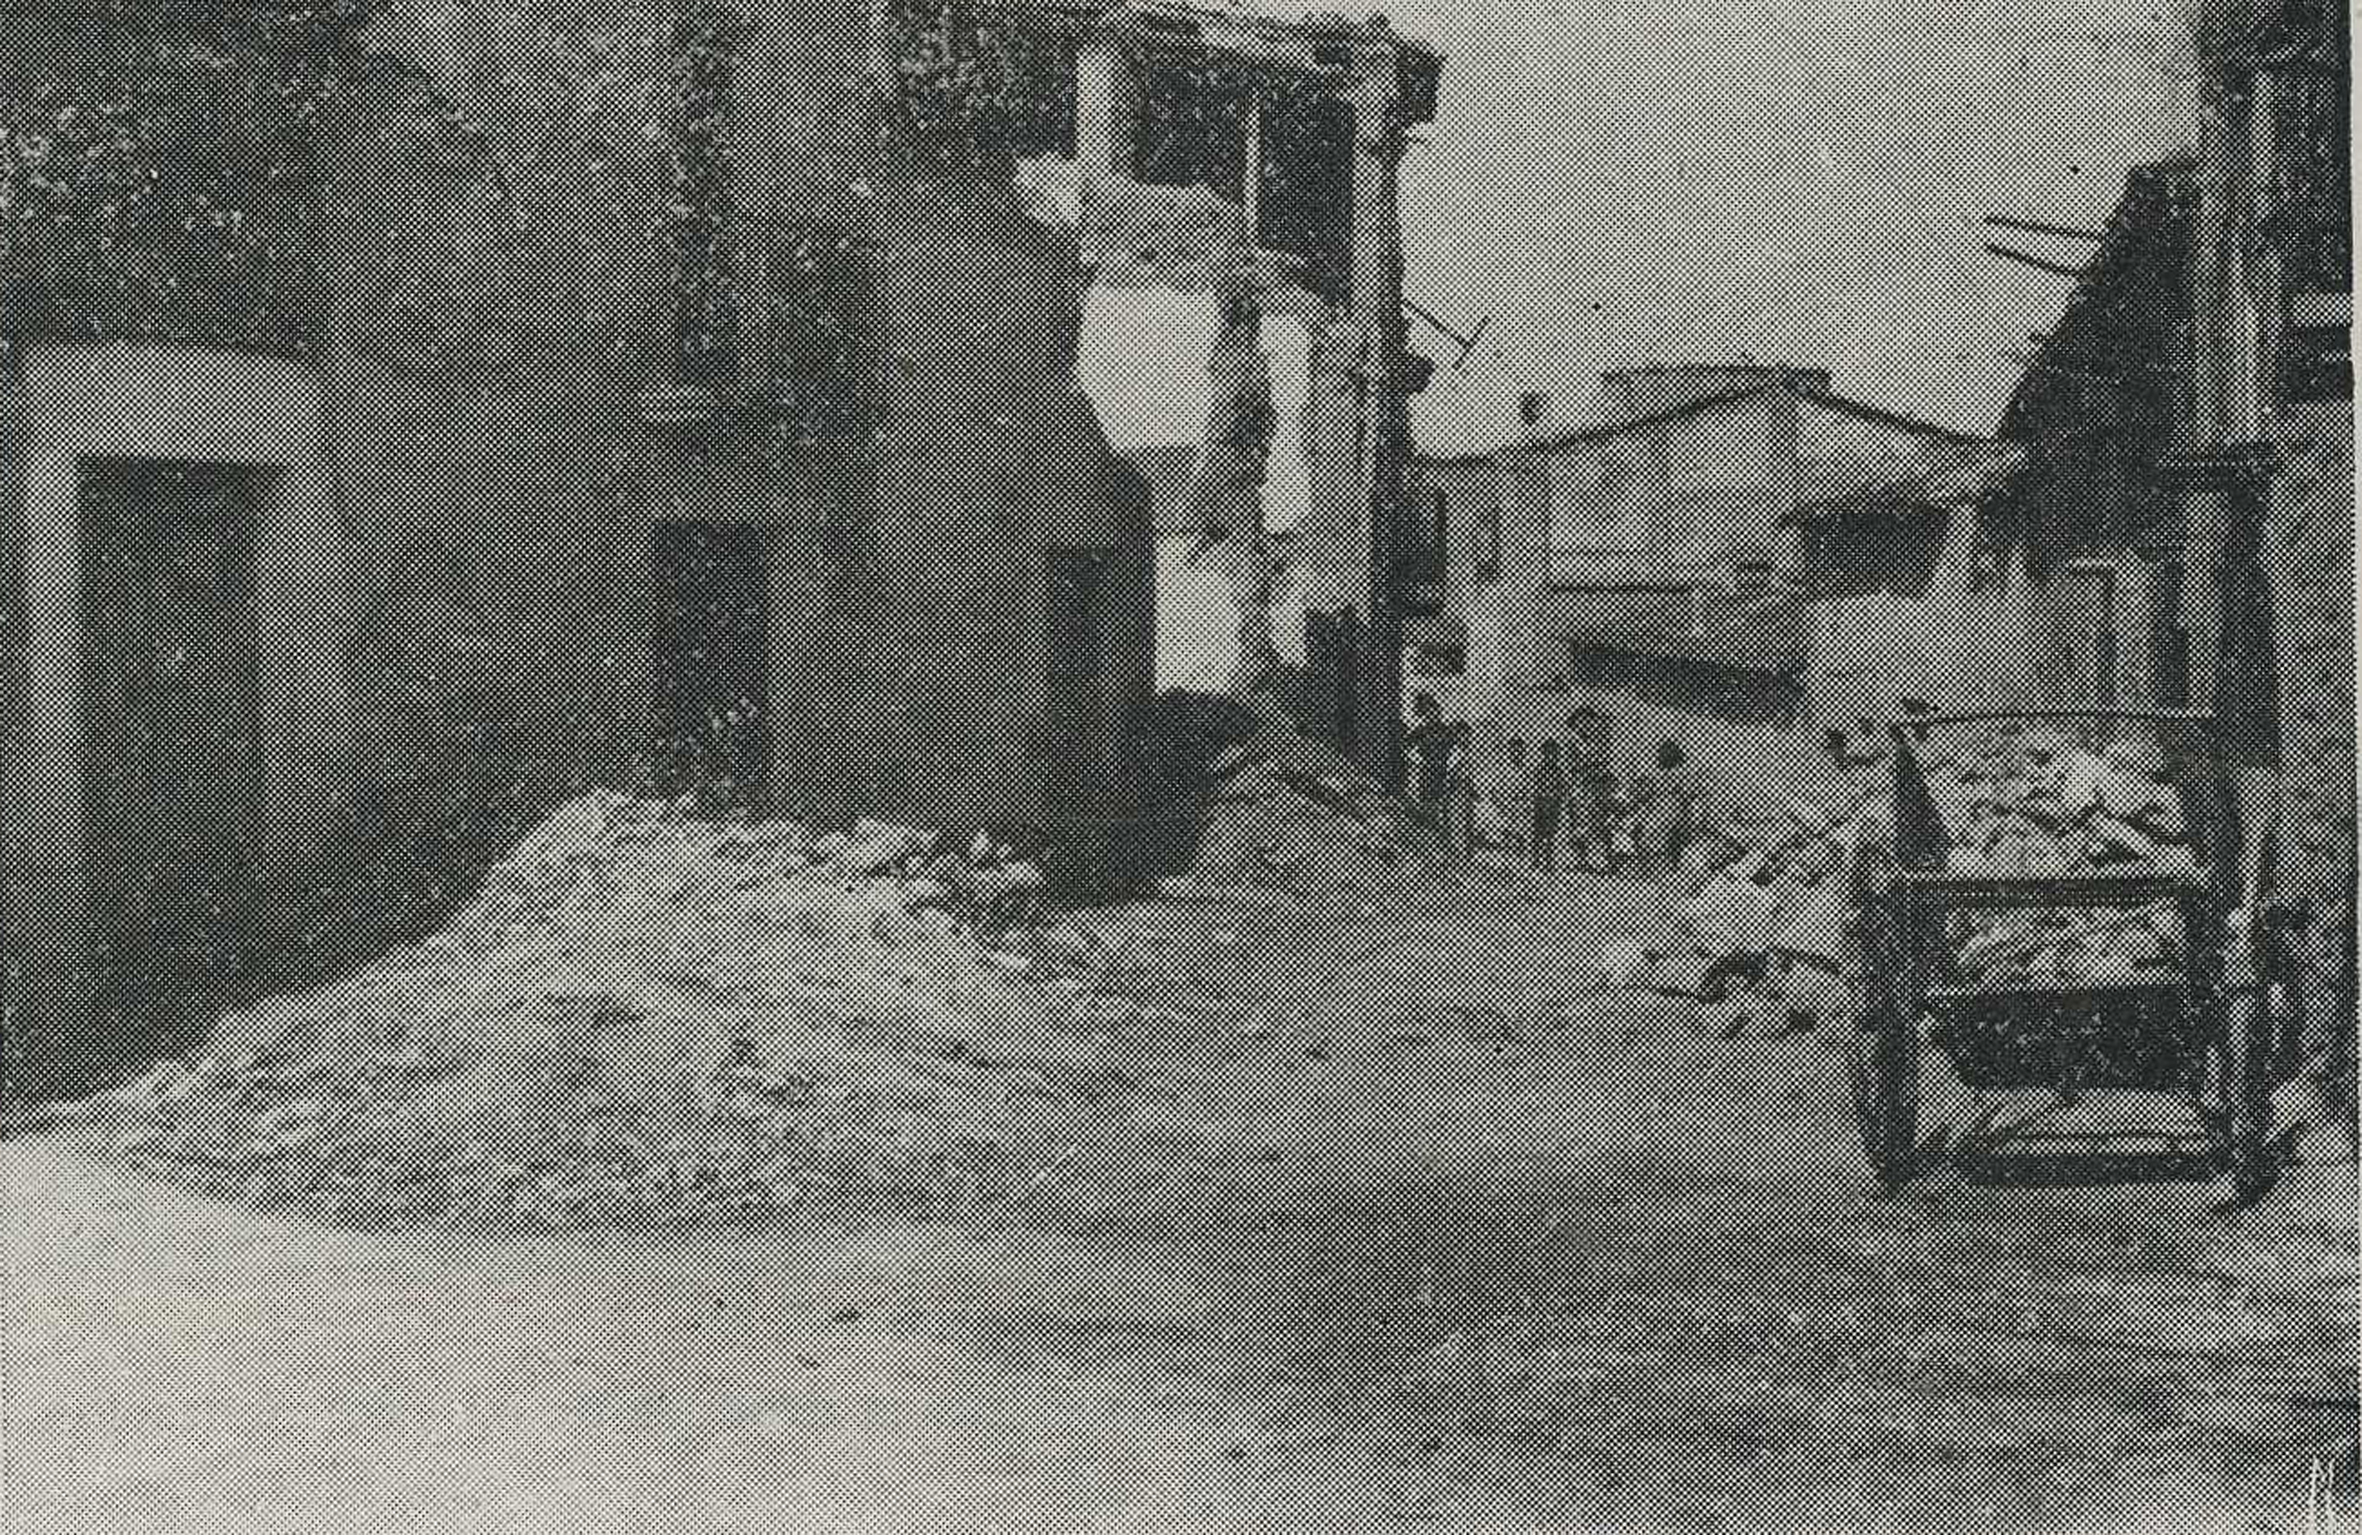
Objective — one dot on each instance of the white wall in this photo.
(1142, 363)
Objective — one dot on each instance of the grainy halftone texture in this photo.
(606, 931)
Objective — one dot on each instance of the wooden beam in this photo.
(2035, 262)
(1251, 179)
(2029, 226)
(1103, 111)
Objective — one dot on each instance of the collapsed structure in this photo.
(423, 403)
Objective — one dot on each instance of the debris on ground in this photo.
(1286, 805)
(2029, 802)
(1762, 934)
(646, 1018)
(2032, 802)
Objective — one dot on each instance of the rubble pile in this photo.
(644, 1018)
(1282, 804)
(2032, 803)
(1764, 934)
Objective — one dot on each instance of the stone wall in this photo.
(485, 300)
(908, 573)
(2308, 552)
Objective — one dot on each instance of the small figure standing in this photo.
(1460, 788)
(1550, 795)
(1512, 788)
(1594, 790)
(1666, 816)
(1430, 746)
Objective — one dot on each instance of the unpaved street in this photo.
(1402, 1227)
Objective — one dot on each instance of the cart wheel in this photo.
(1882, 1064)
(2235, 1095)
(2251, 1049)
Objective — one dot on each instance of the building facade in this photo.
(680, 396)
(2092, 519)
(2261, 467)
(1735, 560)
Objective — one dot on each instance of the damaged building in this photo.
(672, 395)
(2187, 503)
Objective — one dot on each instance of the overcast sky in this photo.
(1799, 181)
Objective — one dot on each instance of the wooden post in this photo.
(1376, 315)
(1104, 107)
(2224, 603)
(1251, 180)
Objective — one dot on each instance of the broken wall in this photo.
(1144, 363)
(991, 466)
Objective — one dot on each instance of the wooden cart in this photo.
(2180, 1024)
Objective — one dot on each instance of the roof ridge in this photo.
(1893, 418)
(1656, 418)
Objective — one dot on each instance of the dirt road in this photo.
(1410, 1220)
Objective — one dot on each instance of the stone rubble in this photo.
(1764, 936)
(642, 1018)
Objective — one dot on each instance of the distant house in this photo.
(1735, 559)
(497, 401)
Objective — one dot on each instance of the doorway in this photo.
(1086, 723)
(713, 696)
(1332, 666)
(2091, 616)
(171, 767)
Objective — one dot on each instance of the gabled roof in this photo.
(1788, 383)
(2095, 375)
(1950, 474)
(1682, 412)
(2094, 408)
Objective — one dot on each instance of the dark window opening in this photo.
(1488, 555)
(819, 277)
(1423, 553)
(1307, 189)
(949, 92)
(1191, 126)
(699, 214)
(2169, 642)
(1041, 97)
(2091, 635)
(1439, 660)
